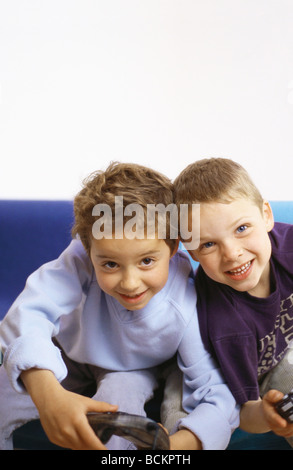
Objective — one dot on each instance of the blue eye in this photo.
(242, 228)
(208, 244)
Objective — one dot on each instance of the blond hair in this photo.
(215, 180)
(136, 183)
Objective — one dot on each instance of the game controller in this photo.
(141, 431)
(285, 407)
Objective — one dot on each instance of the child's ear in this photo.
(268, 216)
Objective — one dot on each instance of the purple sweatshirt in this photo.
(249, 335)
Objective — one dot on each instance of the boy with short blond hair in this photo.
(107, 313)
(244, 284)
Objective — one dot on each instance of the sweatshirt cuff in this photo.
(209, 425)
(27, 353)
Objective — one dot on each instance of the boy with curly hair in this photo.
(92, 327)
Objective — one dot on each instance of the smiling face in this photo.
(131, 271)
(235, 248)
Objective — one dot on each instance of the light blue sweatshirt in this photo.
(62, 299)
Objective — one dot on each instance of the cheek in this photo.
(105, 282)
(265, 250)
(156, 280)
(260, 245)
(209, 263)
(211, 271)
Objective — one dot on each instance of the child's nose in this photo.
(130, 280)
(232, 251)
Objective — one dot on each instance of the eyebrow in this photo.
(140, 255)
(103, 256)
(149, 253)
(240, 221)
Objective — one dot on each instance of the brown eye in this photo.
(147, 261)
(110, 264)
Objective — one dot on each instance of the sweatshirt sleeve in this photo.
(212, 410)
(54, 290)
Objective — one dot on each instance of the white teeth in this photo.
(132, 296)
(241, 270)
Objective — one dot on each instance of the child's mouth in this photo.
(132, 298)
(242, 272)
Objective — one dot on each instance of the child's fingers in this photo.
(101, 406)
(276, 422)
(273, 396)
(87, 439)
(166, 430)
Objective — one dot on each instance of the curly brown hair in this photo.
(136, 183)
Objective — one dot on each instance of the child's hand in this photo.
(276, 423)
(184, 440)
(63, 413)
(66, 424)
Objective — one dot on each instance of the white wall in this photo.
(158, 82)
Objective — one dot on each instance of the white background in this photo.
(157, 82)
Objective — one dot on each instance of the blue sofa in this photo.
(34, 232)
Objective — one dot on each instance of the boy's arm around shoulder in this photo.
(55, 289)
(213, 412)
